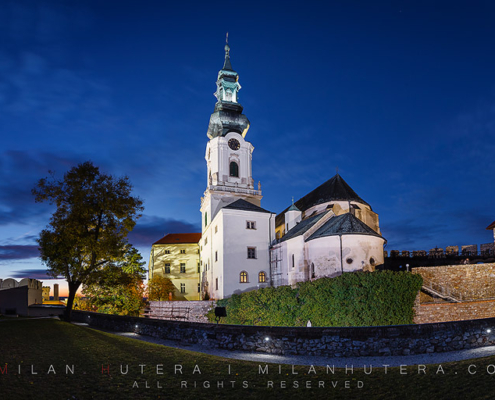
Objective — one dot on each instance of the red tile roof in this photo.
(177, 238)
(491, 226)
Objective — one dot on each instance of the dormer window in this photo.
(234, 169)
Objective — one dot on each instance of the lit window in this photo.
(243, 277)
(182, 268)
(251, 252)
(261, 277)
(167, 268)
(183, 288)
(182, 252)
(234, 169)
(250, 225)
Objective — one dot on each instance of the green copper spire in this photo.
(227, 116)
(227, 65)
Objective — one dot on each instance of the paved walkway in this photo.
(339, 362)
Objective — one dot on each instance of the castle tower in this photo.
(228, 155)
(236, 231)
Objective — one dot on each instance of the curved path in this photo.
(339, 362)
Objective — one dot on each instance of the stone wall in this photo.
(472, 281)
(165, 309)
(330, 342)
(442, 312)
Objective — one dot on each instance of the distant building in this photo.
(24, 298)
(46, 293)
(176, 256)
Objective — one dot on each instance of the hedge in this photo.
(352, 299)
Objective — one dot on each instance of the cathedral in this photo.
(243, 247)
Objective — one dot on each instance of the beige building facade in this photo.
(176, 256)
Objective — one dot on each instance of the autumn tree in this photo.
(118, 288)
(88, 230)
(159, 288)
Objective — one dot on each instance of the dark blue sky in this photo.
(400, 95)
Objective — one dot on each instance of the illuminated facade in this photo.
(243, 247)
(176, 256)
(236, 231)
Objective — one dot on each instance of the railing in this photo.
(167, 312)
(443, 291)
(440, 254)
(234, 189)
(447, 292)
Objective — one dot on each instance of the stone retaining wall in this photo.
(331, 342)
(473, 281)
(443, 312)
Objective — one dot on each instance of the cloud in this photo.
(18, 252)
(31, 273)
(151, 228)
(19, 173)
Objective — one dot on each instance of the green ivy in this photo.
(352, 299)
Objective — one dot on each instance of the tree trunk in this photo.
(73, 287)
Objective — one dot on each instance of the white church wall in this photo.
(295, 263)
(357, 251)
(237, 239)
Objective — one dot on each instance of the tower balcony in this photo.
(234, 189)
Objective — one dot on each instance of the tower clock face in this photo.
(234, 144)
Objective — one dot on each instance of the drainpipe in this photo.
(269, 247)
(341, 261)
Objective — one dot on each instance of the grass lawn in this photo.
(47, 346)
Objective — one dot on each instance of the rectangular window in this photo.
(251, 252)
(182, 252)
(182, 268)
(206, 241)
(167, 268)
(250, 225)
(183, 288)
(293, 263)
(216, 255)
(199, 269)
(167, 251)
(199, 287)
(216, 283)
(216, 228)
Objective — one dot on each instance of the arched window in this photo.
(243, 277)
(234, 169)
(261, 277)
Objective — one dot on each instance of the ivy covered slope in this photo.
(352, 299)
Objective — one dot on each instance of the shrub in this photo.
(352, 299)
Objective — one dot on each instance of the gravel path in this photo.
(339, 362)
